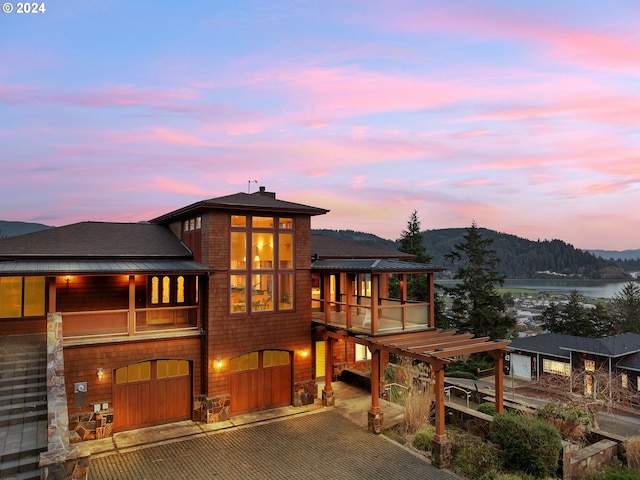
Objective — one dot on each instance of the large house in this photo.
(225, 306)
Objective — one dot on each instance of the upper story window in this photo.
(22, 297)
(170, 290)
(261, 263)
(192, 224)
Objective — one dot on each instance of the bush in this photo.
(530, 445)
(461, 374)
(423, 438)
(632, 450)
(476, 459)
(488, 408)
(572, 421)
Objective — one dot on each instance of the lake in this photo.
(588, 288)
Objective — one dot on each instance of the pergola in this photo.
(433, 346)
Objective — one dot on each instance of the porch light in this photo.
(304, 353)
(218, 362)
(100, 373)
(67, 279)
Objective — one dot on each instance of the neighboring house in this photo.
(579, 359)
(225, 306)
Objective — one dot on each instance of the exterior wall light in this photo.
(304, 353)
(100, 373)
(218, 362)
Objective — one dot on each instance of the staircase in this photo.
(23, 405)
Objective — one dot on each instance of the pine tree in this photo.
(412, 240)
(477, 306)
(625, 308)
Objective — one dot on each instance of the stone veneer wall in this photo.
(61, 461)
(305, 393)
(211, 409)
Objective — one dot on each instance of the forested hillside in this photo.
(13, 229)
(520, 258)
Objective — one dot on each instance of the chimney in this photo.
(263, 192)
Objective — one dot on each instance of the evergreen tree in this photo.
(625, 308)
(412, 240)
(552, 318)
(576, 319)
(477, 306)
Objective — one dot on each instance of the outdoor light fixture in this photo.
(304, 353)
(100, 373)
(67, 279)
(218, 362)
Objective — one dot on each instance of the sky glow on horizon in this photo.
(521, 116)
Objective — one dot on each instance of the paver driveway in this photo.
(320, 445)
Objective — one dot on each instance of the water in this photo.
(588, 288)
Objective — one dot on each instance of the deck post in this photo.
(441, 448)
(375, 415)
(498, 364)
(328, 395)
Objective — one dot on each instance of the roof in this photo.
(631, 362)
(327, 246)
(364, 265)
(547, 343)
(261, 201)
(560, 345)
(97, 248)
(103, 267)
(96, 239)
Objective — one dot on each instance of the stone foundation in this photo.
(328, 398)
(90, 426)
(67, 465)
(211, 409)
(441, 453)
(305, 393)
(374, 421)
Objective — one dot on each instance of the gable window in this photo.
(22, 297)
(261, 263)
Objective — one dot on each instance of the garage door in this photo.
(151, 393)
(521, 366)
(260, 380)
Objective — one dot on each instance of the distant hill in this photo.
(520, 258)
(13, 229)
(617, 254)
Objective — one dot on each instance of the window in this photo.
(192, 224)
(261, 264)
(167, 290)
(590, 365)
(362, 353)
(625, 380)
(22, 297)
(558, 368)
(248, 361)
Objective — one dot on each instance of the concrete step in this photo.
(23, 407)
(24, 371)
(22, 379)
(23, 417)
(23, 468)
(24, 389)
(13, 398)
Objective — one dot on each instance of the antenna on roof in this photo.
(249, 182)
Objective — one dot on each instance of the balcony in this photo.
(390, 316)
(109, 324)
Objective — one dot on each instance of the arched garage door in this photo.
(260, 380)
(151, 393)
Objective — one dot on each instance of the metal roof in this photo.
(370, 265)
(99, 267)
(326, 246)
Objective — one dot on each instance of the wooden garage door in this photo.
(260, 380)
(151, 393)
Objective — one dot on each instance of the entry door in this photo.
(320, 359)
(151, 393)
(260, 380)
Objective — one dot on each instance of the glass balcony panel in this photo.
(82, 324)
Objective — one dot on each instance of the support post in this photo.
(375, 415)
(498, 364)
(328, 398)
(441, 448)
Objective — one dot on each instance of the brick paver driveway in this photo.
(322, 445)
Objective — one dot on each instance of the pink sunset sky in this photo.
(521, 116)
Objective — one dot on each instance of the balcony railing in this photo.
(393, 315)
(115, 323)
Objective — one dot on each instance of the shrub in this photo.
(632, 449)
(461, 374)
(488, 408)
(476, 459)
(530, 445)
(423, 438)
(572, 421)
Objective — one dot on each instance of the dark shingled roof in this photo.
(631, 362)
(95, 240)
(561, 345)
(257, 201)
(373, 266)
(326, 246)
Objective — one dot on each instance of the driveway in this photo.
(322, 444)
